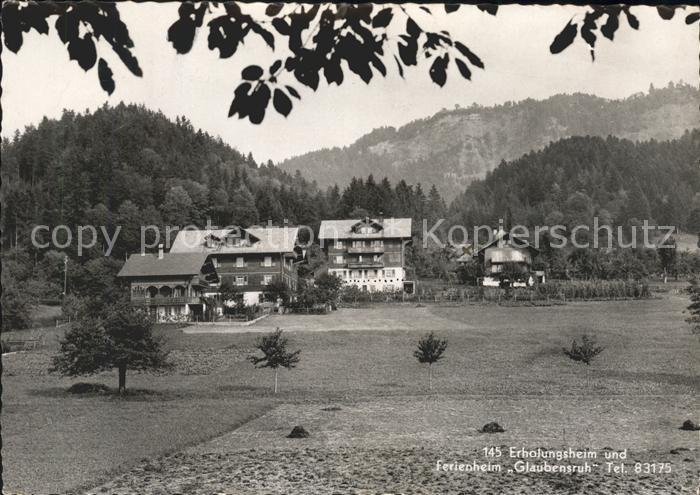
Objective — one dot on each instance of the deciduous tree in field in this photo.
(123, 339)
(275, 353)
(430, 350)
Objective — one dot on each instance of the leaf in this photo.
(665, 12)
(488, 8)
(589, 26)
(181, 34)
(11, 30)
(333, 72)
(426, 9)
(281, 26)
(281, 102)
(224, 35)
(240, 101)
(275, 66)
(408, 51)
(128, 59)
(293, 92)
(273, 9)
(252, 73)
(691, 18)
(631, 19)
(412, 28)
(564, 38)
(251, 105)
(35, 17)
(473, 59)
(398, 64)
(66, 26)
(610, 26)
(463, 69)
(105, 75)
(383, 18)
(438, 71)
(83, 50)
(451, 7)
(266, 35)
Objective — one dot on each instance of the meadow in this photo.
(212, 424)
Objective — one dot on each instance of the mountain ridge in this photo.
(454, 147)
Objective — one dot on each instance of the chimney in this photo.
(160, 251)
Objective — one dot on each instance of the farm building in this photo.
(508, 259)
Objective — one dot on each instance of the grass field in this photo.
(374, 424)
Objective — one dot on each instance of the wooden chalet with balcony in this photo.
(170, 286)
(508, 259)
(368, 253)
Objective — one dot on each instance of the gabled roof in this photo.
(171, 264)
(263, 240)
(344, 229)
(508, 240)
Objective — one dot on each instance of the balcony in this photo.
(366, 264)
(365, 249)
(165, 301)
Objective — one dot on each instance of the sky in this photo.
(514, 45)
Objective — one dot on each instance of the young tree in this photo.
(585, 351)
(694, 308)
(275, 353)
(430, 350)
(121, 340)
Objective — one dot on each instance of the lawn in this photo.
(502, 363)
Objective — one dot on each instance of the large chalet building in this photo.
(250, 259)
(367, 253)
(173, 285)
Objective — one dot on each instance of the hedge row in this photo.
(556, 290)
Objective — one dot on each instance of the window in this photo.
(241, 280)
(358, 244)
(240, 262)
(388, 273)
(267, 261)
(339, 260)
(267, 279)
(339, 244)
(215, 262)
(376, 257)
(394, 257)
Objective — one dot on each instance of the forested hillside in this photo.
(125, 167)
(130, 166)
(457, 146)
(570, 181)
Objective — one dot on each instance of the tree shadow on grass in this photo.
(83, 390)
